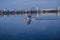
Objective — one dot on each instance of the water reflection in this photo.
(13, 27)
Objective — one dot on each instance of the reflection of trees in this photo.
(2, 12)
(18, 12)
(50, 11)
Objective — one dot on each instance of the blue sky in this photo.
(25, 4)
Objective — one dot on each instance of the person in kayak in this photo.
(29, 18)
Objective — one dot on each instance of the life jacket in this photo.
(29, 16)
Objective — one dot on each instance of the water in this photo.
(13, 27)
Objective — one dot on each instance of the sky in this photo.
(28, 4)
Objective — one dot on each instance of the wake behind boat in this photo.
(29, 18)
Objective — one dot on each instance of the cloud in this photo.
(28, 3)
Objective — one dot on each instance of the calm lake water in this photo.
(46, 27)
